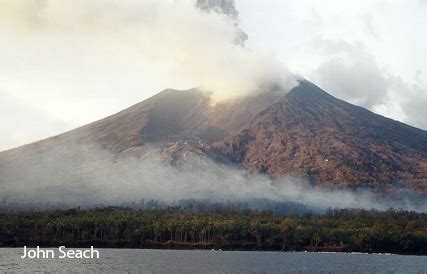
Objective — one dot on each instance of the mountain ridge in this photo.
(305, 132)
(309, 132)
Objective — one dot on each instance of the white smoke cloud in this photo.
(197, 45)
(85, 175)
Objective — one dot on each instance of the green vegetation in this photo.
(337, 230)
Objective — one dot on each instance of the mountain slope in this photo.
(173, 123)
(171, 115)
(306, 132)
(309, 132)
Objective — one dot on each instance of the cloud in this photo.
(196, 44)
(414, 106)
(351, 73)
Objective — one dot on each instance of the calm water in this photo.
(146, 261)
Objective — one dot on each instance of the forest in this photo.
(345, 230)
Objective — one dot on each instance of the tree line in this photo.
(343, 230)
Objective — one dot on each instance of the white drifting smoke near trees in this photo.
(85, 175)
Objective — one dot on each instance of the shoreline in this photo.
(219, 250)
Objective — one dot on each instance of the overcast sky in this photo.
(67, 63)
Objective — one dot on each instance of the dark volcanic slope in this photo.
(174, 121)
(312, 133)
(305, 132)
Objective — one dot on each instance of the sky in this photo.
(67, 63)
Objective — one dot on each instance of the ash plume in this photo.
(196, 43)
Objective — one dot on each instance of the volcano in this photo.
(311, 133)
(305, 132)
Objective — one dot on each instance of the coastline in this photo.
(194, 248)
(206, 261)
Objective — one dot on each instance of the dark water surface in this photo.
(172, 261)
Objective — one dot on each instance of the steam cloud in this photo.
(200, 42)
(85, 175)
